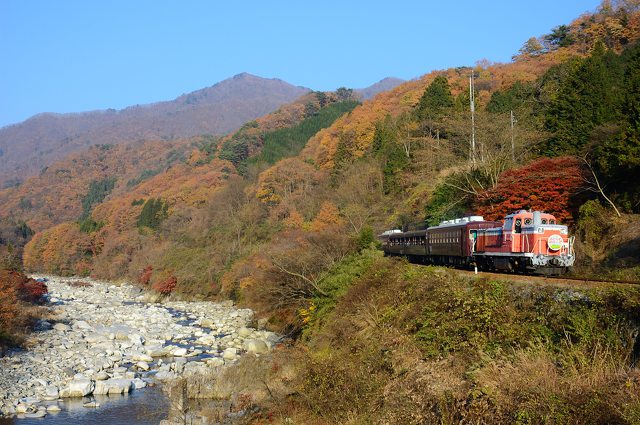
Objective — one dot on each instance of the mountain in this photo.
(383, 85)
(27, 147)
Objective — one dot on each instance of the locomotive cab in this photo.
(530, 241)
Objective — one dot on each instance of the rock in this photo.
(138, 383)
(255, 346)
(68, 372)
(113, 386)
(136, 339)
(140, 357)
(80, 387)
(214, 361)
(51, 393)
(142, 366)
(179, 352)
(156, 351)
(81, 324)
(53, 408)
(91, 404)
(22, 408)
(38, 414)
(244, 332)
(229, 353)
(94, 338)
(61, 327)
(206, 323)
(165, 376)
(102, 376)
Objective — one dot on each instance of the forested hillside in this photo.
(226, 218)
(27, 147)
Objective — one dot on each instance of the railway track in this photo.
(550, 279)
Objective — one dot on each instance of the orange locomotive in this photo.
(526, 242)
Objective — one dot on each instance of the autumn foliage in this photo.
(546, 185)
(165, 286)
(145, 276)
(17, 293)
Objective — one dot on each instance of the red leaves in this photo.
(145, 276)
(547, 184)
(32, 290)
(166, 286)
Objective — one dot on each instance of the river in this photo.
(103, 338)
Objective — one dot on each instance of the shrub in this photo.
(32, 291)
(548, 185)
(166, 286)
(145, 276)
(16, 313)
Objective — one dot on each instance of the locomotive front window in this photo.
(544, 221)
(552, 221)
(527, 221)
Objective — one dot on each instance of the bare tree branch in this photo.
(598, 187)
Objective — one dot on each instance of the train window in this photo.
(527, 221)
(552, 221)
(544, 221)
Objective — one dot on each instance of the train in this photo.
(528, 242)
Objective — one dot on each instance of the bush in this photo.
(145, 276)
(166, 286)
(16, 313)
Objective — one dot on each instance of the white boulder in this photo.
(255, 346)
(81, 387)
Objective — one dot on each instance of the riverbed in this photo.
(104, 345)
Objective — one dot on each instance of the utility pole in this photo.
(513, 145)
(472, 105)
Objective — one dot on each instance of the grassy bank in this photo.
(397, 343)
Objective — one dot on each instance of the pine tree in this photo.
(435, 100)
(588, 97)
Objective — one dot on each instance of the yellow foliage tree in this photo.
(327, 217)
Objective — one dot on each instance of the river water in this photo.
(144, 407)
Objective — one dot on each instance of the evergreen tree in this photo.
(503, 101)
(153, 213)
(98, 190)
(617, 158)
(436, 100)
(589, 96)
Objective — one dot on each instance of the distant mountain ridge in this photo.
(383, 85)
(27, 147)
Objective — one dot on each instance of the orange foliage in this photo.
(327, 217)
(58, 250)
(56, 194)
(288, 178)
(545, 185)
(355, 130)
(294, 220)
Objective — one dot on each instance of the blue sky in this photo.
(70, 56)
